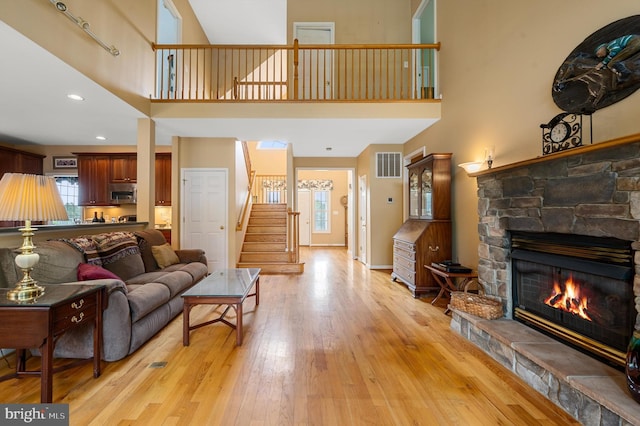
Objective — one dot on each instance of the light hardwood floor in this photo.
(337, 345)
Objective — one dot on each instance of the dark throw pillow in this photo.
(93, 272)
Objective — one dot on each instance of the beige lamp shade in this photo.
(30, 197)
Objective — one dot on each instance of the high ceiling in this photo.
(34, 108)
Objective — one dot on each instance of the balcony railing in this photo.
(270, 189)
(298, 72)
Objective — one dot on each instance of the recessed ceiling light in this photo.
(101, 138)
(75, 97)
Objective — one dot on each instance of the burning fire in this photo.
(569, 299)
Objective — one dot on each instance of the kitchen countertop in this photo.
(92, 225)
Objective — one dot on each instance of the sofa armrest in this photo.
(111, 284)
(116, 327)
(191, 255)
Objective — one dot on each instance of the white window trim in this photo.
(313, 211)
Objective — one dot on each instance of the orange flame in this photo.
(568, 300)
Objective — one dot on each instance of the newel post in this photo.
(293, 235)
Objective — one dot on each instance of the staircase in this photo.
(265, 242)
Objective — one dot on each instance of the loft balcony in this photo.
(308, 73)
(346, 96)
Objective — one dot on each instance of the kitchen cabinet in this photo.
(123, 168)
(163, 179)
(167, 234)
(426, 236)
(93, 179)
(17, 161)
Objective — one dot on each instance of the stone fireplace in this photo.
(584, 194)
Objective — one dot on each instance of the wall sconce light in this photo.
(472, 166)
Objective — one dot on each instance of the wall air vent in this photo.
(388, 164)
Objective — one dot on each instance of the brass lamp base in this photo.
(27, 289)
(25, 292)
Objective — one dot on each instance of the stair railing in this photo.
(247, 203)
(298, 72)
(293, 236)
(270, 189)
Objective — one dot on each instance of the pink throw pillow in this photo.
(94, 272)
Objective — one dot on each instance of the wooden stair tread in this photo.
(265, 241)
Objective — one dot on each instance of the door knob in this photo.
(221, 226)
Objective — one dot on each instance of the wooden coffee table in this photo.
(223, 287)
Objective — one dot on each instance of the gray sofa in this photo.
(142, 296)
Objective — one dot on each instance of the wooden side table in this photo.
(448, 281)
(39, 323)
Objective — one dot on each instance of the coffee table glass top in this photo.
(225, 282)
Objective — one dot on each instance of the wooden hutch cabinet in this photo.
(426, 236)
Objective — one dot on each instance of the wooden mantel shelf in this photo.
(562, 154)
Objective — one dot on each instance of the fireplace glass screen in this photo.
(575, 290)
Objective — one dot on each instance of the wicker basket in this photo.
(480, 306)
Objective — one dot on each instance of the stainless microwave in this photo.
(122, 193)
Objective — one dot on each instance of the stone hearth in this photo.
(590, 391)
(593, 191)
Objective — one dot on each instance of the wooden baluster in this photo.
(296, 52)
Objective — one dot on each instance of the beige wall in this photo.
(384, 218)
(497, 64)
(267, 161)
(357, 21)
(128, 25)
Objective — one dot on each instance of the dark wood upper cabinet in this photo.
(163, 179)
(17, 161)
(93, 179)
(124, 168)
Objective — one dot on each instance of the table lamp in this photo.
(26, 197)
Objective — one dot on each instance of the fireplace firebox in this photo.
(578, 289)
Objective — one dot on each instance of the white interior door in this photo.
(304, 207)
(204, 205)
(362, 219)
(315, 69)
